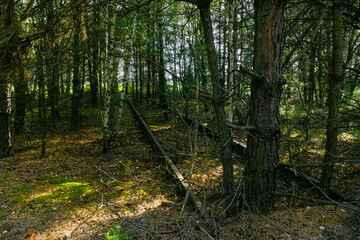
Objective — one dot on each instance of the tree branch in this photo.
(241, 127)
(250, 73)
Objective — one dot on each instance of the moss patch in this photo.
(62, 190)
(8, 175)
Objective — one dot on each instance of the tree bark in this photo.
(52, 66)
(20, 103)
(108, 83)
(75, 104)
(335, 82)
(231, 60)
(41, 98)
(219, 108)
(162, 79)
(263, 143)
(5, 133)
(94, 73)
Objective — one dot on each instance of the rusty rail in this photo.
(172, 169)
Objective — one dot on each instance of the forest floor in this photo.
(77, 192)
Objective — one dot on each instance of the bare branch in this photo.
(250, 73)
(241, 127)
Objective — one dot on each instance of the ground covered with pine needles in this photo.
(77, 192)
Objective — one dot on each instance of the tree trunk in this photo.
(20, 103)
(5, 133)
(68, 79)
(231, 50)
(94, 73)
(42, 103)
(219, 108)
(108, 78)
(141, 78)
(311, 90)
(263, 143)
(162, 79)
(335, 82)
(75, 104)
(148, 76)
(52, 66)
(136, 67)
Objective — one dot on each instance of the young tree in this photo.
(76, 96)
(20, 102)
(232, 53)
(218, 103)
(335, 82)
(94, 81)
(5, 133)
(162, 80)
(52, 58)
(110, 77)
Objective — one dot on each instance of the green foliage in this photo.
(117, 233)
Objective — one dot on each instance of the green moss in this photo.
(141, 192)
(60, 180)
(125, 189)
(117, 233)
(8, 175)
(62, 190)
(140, 144)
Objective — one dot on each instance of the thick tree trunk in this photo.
(335, 82)
(263, 143)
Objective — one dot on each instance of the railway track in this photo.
(184, 186)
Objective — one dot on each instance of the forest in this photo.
(179, 119)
